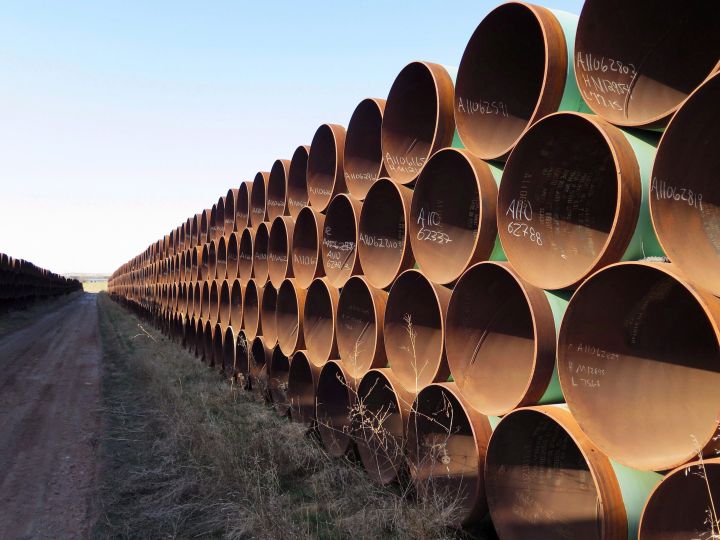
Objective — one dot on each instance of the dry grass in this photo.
(188, 455)
(95, 286)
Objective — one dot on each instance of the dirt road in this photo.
(50, 423)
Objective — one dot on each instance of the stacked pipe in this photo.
(21, 282)
(502, 280)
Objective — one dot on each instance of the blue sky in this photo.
(118, 120)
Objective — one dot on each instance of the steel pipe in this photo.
(339, 243)
(500, 339)
(297, 194)
(218, 228)
(325, 172)
(447, 440)
(252, 300)
(259, 356)
(208, 344)
(301, 386)
(306, 246)
(224, 304)
(335, 398)
(242, 357)
(684, 194)
(635, 63)
(268, 305)
(414, 330)
(279, 249)
(231, 199)
(359, 330)
(517, 67)
(221, 258)
(228, 352)
(379, 424)
(258, 199)
(277, 189)
(418, 119)
(573, 199)
(290, 306)
(363, 147)
(383, 249)
(242, 215)
(236, 303)
(643, 346)
(452, 221)
(245, 256)
(231, 270)
(545, 479)
(684, 504)
(260, 251)
(277, 373)
(319, 316)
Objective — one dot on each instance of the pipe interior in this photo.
(322, 167)
(357, 329)
(557, 201)
(538, 483)
(500, 80)
(490, 339)
(319, 322)
(363, 149)
(636, 344)
(297, 195)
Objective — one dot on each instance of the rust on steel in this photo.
(363, 147)
(383, 247)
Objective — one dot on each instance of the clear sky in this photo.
(120, 119)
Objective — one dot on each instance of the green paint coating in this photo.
(558, 301)
(571, 99)
(494, 421)
(456, 142)
(644, 242)
(635, 487)
(498, 253)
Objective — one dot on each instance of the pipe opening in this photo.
(260, 254)
(635, 63)
(383, 249)
(678, 508)
(497, 358)
(290, 304)
(224, 303)
(541, 484)
(363, 148)
(245, 256)
(335, 398)
(339, 243)
(502, 83)
(258, 199)
(279, 248)
(418, 119)
(414, 330)
(236, 303)
(242, 354)
(378, 426)
(452, 218)
(302, 379)
(278, 371)
(277, 189)
(232, 256)
(221, 258)
(561, 214)
(228, 353)
(642, 346)
(319, 321)
(685, 193)
(359, 329)
(297, 195)
(230, 210)
(446, 451)
(242, 216)
(267, 315)
(251, 309)
(325, 176)
(306, 241)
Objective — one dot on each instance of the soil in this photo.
(50, 423)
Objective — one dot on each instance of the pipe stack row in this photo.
(21, 282)
(503, 279)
